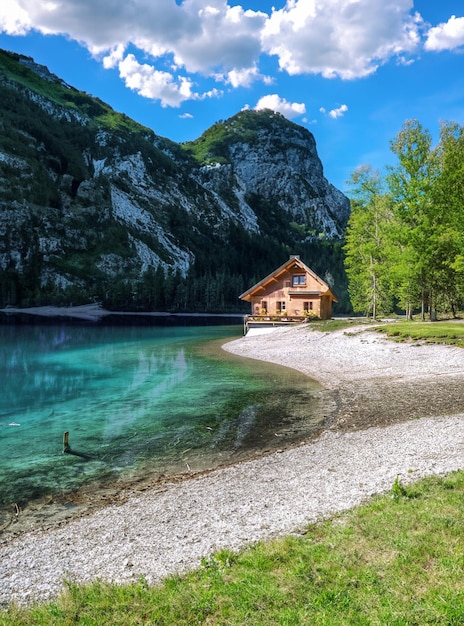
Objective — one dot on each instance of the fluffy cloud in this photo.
(448, 36)
(194, 37)
(155, 84)
(242, 78)
(181, 42)
(335, 113)
(103, 25)
(171, 90)
(13, 19)
(219, 37)
(340, 37)
(281, 105)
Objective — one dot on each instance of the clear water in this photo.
(138, 401)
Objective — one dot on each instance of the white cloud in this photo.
(343, 38)
(219, 37)
(211, 39)
(242, 78)
(281, 105)
(155, 84)
(446, 36)
(186, 116)
(335, 113)
(113, 59)
(181, 42)
(13, 19)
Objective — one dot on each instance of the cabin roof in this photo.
(294, 262)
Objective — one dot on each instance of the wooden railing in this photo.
(271, 320)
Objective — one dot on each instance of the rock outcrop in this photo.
(89, 196)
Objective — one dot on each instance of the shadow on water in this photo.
(141, 402)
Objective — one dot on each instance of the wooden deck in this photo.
(264, 321)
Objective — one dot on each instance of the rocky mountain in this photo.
(263, 158)
(96, 206)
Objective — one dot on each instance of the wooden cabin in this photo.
(293, 290)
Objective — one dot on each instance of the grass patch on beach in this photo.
(397, 560)
(446, 332)
(340, 324)
(449, 332)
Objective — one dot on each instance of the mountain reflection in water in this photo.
(139, 400)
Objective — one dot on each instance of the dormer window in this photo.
(298, 280)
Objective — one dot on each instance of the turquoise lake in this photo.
(140, 401)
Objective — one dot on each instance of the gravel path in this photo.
(170, 528)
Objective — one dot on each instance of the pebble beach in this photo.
(398, 411)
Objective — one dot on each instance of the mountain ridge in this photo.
(95, 205)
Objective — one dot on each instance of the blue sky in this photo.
(351, 71)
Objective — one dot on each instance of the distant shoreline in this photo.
(95, 312)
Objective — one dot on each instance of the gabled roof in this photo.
(293, 262)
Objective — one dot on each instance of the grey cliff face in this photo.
(79, 196)
(282, 166)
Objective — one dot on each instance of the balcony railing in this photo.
(272, 320)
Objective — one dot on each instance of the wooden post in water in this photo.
(67, 448)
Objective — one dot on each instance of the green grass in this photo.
(67, 96)
(446, 332)
(214, 144)
(341, 324)
(398, 560)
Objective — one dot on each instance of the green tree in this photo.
(410, 184)
(405, 237)
(368, 245)
(448, 226)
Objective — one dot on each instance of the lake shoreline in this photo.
(217, 434)
(375, 381)
(95, 313)
(413, 395)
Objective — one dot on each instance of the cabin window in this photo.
(298, 279)
(308, 306)
(281, 306)
(264, 307)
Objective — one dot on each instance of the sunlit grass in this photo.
(397, 560)
(447, 332)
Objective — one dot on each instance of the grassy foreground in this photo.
(398, 560)
(449, 332)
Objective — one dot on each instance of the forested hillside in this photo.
(95, 207)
